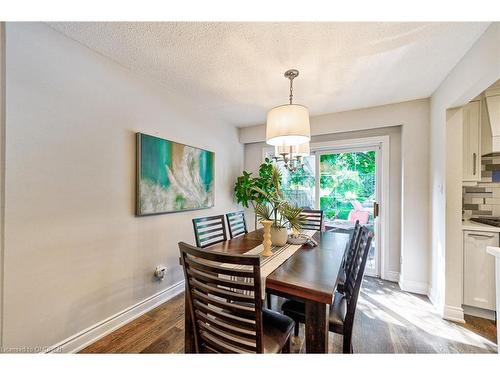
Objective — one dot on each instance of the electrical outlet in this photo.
(160, 272)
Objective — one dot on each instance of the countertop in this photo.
(471, 225)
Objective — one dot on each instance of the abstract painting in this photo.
(172, 177)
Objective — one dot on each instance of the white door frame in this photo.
(2, 178)
(383, 143)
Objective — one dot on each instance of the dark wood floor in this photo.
(388, 320)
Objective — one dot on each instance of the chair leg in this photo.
(288, 346)
(347, 344)
(296, 329)
(268, 300)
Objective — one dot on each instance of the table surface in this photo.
(310, 274)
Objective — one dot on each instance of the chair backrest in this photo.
(352, 246)
(209, 230)
(236, 223)
(354, 278)
(312, 219)
(225, 303)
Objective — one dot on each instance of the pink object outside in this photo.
(362, 216)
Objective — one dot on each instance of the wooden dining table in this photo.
(309, 275)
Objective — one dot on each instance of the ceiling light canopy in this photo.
(288, 124)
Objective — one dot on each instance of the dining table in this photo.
(309, 275)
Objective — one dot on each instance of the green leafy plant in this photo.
(275, 207)
(244, 190)
(264, 193)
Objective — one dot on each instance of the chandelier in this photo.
(288, 129)
(291, 156)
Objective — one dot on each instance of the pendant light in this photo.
(288, 124)
(292, 156)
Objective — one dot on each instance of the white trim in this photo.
(350, 143)
(91, 334)
(481, 313)
(2, 175)
(392, 276)
(411, 286)
(383, 143)
(454, 314)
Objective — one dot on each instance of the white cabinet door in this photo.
(479, 270)
(472, 142)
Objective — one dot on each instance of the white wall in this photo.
(75, 253)
(414, 118)
(477, 70)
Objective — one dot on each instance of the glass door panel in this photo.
(348, 192)
(299, 186)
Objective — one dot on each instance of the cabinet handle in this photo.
(474, 157)
(481, 235)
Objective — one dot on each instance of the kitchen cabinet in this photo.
(479, 270)
(472, 142)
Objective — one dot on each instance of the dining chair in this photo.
(348, 256)
(209, 230)
(225, 304)
(236, 223)
(343, 306)
(312, 219)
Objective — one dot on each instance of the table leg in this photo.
(316, 327)
(188, 328)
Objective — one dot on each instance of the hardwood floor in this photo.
(388, 320)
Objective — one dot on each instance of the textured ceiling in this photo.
(236, 69)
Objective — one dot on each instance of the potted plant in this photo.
(283, 216)
(244, 188)
(266, 196)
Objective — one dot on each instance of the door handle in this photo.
(376, 209)
(481, 235)
(474, 157)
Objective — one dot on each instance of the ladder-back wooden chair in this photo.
(312, 219)
(209, 230)
(224, 300)
(236, 224)
(349, 256)
(343, 307)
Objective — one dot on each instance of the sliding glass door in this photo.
(344, 184)
(347, 191)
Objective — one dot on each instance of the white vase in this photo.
(279, 236)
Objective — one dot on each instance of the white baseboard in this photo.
(91, 334)
(453, 313)
(414, 286)
(476, 311)
(392, 276)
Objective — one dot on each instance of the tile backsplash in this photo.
(483, 199)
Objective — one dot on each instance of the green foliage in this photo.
(300, 178)
(244, 187)
(263, 212)
(292, 215)
(327, 204)
(264, 192)
(346, 177)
